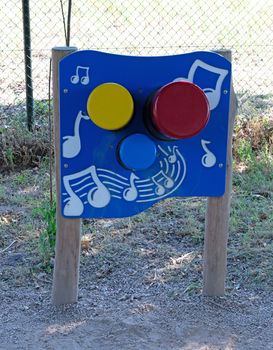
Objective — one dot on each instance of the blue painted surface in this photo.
(137, 152)
(93, 182)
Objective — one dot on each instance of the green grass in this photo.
(47, 238)
(251, 223)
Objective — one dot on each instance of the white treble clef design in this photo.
(208, 160)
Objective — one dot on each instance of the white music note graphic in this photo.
(84, 80)
(72, 144)
(130, 194)
(173, 158)
(74, 205)
(99, 196)
(97, 187)
(159, 189)
(168, 183)
(213, 94)
(208, 160)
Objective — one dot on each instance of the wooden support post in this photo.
(67, 253)
(217, 218)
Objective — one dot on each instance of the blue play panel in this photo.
(121, 172)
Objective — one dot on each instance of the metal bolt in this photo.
(65, 165)
(225, 92)
(65, 91)
(220, 165)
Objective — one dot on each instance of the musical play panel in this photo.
(136, 130)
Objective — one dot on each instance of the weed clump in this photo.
(253, 132)
(47, 237)
(20, 148)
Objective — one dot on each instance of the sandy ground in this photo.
(149, 317)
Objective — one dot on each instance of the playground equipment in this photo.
(131, 131)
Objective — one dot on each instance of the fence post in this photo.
(217, 218)
(28, 69)
(67, 253)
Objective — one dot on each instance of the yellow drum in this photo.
(110, 106)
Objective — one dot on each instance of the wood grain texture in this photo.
(68, 236)
(217, 218)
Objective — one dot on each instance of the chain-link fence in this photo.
(155, 27)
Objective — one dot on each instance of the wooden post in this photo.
(217, 218)
(67, 253)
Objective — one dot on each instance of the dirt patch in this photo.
(154, 321)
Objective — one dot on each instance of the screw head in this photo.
(65, 91)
